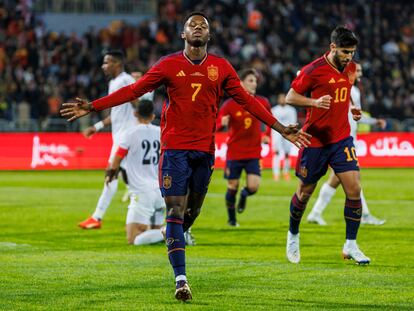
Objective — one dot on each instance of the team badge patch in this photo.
(303, 171)
(212, 72)
(166, 182)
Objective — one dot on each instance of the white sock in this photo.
(350, 243)
(325, 195)
(149, 237)
(286, 167)
(276, 164)
(105, 199)
(181, 277)
(365, 210)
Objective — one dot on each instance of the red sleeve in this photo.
(121, 152)
(235, 90)
(303, 81)
(149, 81)
(224, 110)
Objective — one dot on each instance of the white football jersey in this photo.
(143, 145)
(122, 116)
(356, 100)
(284, 114)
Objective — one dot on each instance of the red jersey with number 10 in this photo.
(188, 120)
(320, 78)
(245, 135)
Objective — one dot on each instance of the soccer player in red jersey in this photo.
(195, 81)
(243, 146)
(328, 80)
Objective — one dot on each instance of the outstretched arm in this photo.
(234, 89)
(150, 81)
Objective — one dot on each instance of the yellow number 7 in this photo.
(197, 87)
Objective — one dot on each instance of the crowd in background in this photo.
(39, 70)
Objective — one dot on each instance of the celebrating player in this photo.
(328, 189)
(243, 146)
(282, 148)
(329, 80)
(122, 119)
(142, 144)
(195, 81)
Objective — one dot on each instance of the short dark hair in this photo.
(196, 13)
(343, 37)
(145, 108)
(249, 71)
(117, 54)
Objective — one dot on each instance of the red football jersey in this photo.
(320, 78)
(188, 120)
(245, 135)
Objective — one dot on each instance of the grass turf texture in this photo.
(48, 263)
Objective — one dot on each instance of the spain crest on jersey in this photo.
(212, 72)
(303, 171)
(167, 182)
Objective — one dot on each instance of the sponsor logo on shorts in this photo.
(166, 182)
(169, 241)
(303, 171)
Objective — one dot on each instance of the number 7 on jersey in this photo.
(197, 87)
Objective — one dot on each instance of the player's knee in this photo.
(304, 196)
(354, 191)
(252, 189)
(175, 210)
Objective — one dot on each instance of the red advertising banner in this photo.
(69, 151)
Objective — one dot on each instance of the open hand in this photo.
(296, 136)
(73, 111)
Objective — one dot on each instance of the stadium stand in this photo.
(40, 69)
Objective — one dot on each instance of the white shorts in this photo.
(147, 208)
(112, 156)
(281, 145)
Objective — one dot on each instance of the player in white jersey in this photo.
(146, 209)
(281, 147)
(121, 118)
(328, 189)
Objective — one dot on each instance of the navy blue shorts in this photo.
(313, 162)
(181, 170)
(234, 168)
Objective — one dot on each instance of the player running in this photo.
(282, 148)
(195, 81)
(243, 146)
(121, 119)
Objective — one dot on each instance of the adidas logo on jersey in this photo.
(181, 74)
(332, 80)
(197, 74)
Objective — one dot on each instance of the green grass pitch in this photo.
(48, 263)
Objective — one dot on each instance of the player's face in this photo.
(342, 56)
(196, 31)
(109, 66)
(250, 83)
(358, 72)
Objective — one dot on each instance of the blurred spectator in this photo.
(275, 37)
